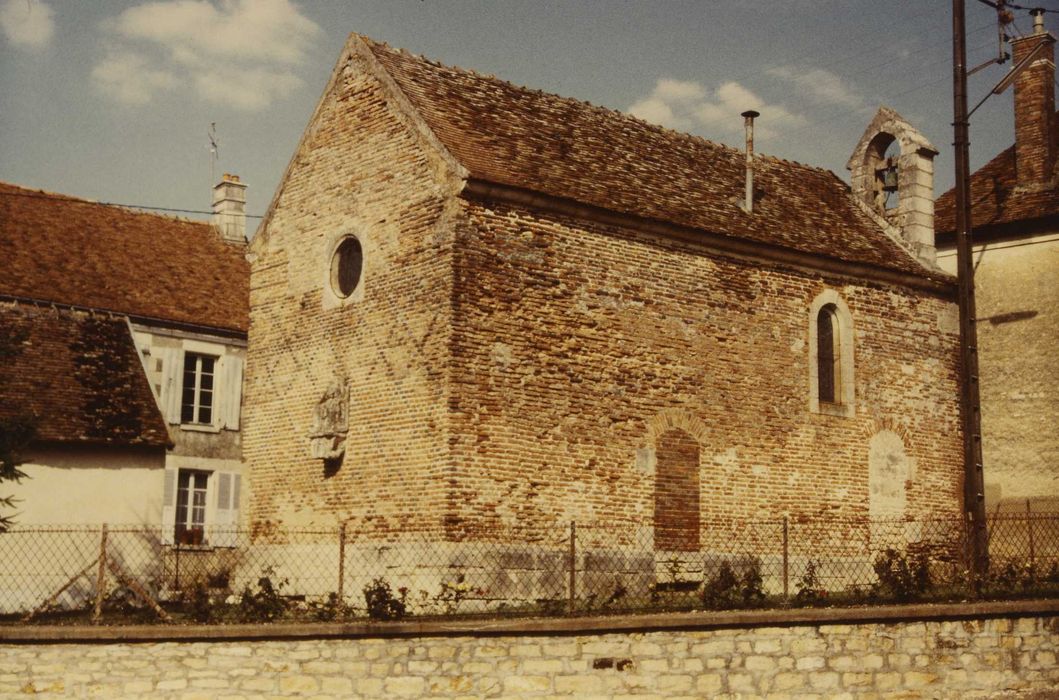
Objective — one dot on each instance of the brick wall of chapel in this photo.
(363, 170)
(576, 346)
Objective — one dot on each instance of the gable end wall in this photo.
(362, 169)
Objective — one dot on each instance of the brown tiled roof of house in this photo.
(994, 200)
(561, 147)
(71, 251)
(79, 376)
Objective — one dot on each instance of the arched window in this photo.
(831, 355)
(828, 355)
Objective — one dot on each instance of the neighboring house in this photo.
(482, 311)
(132, 335)
(1015, 237)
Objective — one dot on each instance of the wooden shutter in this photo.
(172, 380)
(225, 531)
(169, 499)
(231, 390)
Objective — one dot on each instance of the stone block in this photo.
(709, 684)
(298, 685)
(789, 681)
(809, 663)
(672, 684)
(542, 666)
(527, 684)
(823, 680)
(578, 685)
(337, 686)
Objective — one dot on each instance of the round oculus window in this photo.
(346, 266)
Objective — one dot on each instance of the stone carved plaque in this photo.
(327, 437)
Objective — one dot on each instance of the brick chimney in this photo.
(1035, 146)
(229, 209)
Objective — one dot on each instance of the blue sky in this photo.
(112, 99)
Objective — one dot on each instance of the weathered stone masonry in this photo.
(983, 658)
(576, 345)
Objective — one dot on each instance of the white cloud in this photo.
(823, 85)
(678, 90)
(240, 53)
(687, 105)
(126, 76)
(27, 23)
(656, 111)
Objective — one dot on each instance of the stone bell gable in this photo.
(898, 188)
(545, 311)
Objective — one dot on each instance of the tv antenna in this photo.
(214, 149)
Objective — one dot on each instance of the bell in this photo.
(889, 179)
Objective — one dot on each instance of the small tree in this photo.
(16, 432)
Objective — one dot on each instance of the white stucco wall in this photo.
(90, 486)
(1017, 291)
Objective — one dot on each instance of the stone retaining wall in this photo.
(996, 656)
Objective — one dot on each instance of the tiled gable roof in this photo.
(994, 199)
(79, 375)
(71, 251)
(525, 138)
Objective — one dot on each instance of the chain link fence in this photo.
(118, 574)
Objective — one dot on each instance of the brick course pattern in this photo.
(951, 659)
(512, 370)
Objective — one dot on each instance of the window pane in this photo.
(825, 355)
(196, 400)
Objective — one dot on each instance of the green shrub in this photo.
(751, 586)
(809, 593)
(901, 578)
(721, 591)
(329, 609)
(726, 590)
(266, 602)
(381, 602)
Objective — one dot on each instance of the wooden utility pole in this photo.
(970, 404)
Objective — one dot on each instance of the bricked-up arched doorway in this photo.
(677, 492)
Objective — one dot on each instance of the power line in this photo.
(841, 58)
(844, 111)
(63, 198)
(1013, 6)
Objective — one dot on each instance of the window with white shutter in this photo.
(169, 506)
(225, 527)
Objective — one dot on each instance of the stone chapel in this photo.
(483, 311)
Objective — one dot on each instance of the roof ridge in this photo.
(130, 208)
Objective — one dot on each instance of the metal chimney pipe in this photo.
(748, 121)
(1038, 20)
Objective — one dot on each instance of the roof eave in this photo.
(933, 282)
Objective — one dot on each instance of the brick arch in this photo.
(675, 418)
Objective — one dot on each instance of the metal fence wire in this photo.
(120, 574)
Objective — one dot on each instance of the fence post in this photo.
(573, 565)
(101, 577)
(176, 566)
(786, 562)
(1029, 529)
(341, 563)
